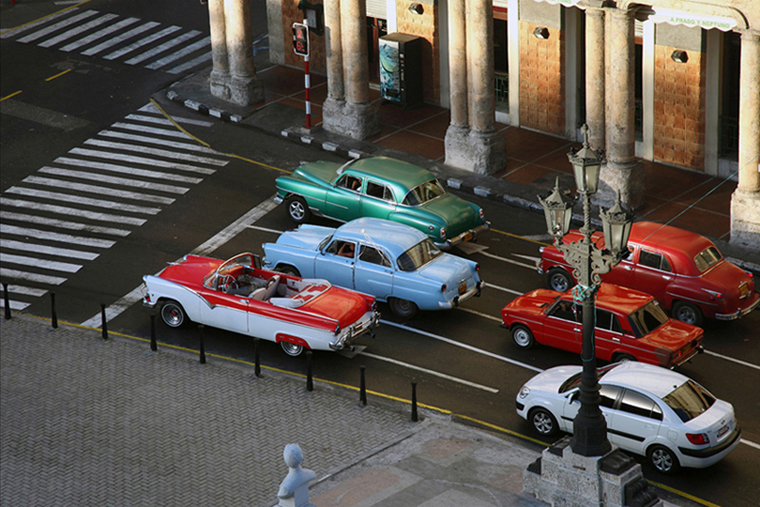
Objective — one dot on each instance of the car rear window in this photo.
(424, 193)
(689, 400)
(706, 258)
(647, 318)
(417, 256)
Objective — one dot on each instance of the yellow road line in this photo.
(43, 17)
(207, 145)
(520, 237)
(11, 95)
(58, 75)
(374, 393)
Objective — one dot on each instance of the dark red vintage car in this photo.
(629, 325)
(683, 270)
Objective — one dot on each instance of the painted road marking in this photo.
(431, 372)
(121, 38)
(76, 31)
(35, 262)
(153, 140)
(157, 152)
(63, 224)
(192, 63)
(86, 201)
(163, 47)
(126, 170)
(62, 210)
(60, 252)
(12, 32)
(142, 42)
(99, 34)
(196, 46)
(55, 236)
(95, 189)
(31, 277)
(57, 26)
(141, 160)
(151, 130)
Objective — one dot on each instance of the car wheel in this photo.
(288, 270)
(543, 422)
(559, 280)
(663, 459)
(522, 337)
(298, 211)
(291, 349)
(172, 314)
(687, 312)
(403, 308)
(619, 358)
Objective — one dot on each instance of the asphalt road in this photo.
(461, 359)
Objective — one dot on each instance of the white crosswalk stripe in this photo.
(162, 47)
(53, 28)
(99, 34)
(121, 38)
(95, 196)
(191, 64)
(12, 32)
(206, 41)
(76, 31)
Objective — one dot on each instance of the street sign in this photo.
(301, 39)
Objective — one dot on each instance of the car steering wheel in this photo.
(228, 283)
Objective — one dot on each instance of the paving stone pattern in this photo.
(90, 422)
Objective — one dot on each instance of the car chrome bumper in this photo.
(365, 326)
(740, 312)
(465, 236)
(475, 291)
(696, 350)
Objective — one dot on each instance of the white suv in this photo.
(650, 411)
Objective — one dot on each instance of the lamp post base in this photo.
(563, 478)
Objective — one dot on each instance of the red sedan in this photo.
(629, 325)
(683, 270)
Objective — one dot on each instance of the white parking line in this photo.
(510, 261)
(479, 314)
(431, 372)
(274, 231)
(737, 361)
(462, 345)
(751, 444)
(492, 286)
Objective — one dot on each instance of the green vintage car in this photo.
(380, 187)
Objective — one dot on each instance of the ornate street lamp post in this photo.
(589, 262)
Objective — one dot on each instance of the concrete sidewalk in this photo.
(85, 421)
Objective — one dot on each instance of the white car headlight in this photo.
(524, 392)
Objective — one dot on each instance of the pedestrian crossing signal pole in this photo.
(301, 47)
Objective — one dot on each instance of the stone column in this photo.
(458, 131)
(360, 119)
(332, 109)
(619, 173)
(220, 75)
(484, 151)
(745, 202)
(243, 84)
(595, 77)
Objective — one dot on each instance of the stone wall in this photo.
(425, 26)
(292, 14)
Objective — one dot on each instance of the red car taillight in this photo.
(698, 438)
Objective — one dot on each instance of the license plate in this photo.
(467, 237)
(462, 289)
(722, 431)
(743, 290)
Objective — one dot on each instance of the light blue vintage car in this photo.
(391, 261)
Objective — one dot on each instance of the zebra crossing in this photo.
(67, 213)
(172, 49)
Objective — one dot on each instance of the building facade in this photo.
(672, 81)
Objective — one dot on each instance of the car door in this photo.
(634, 422)
(653, 273)
(336, 263)
(563, 326)
(622, 274)
(608, 395)
(377, 200)
(225, 311)
(608, 334)
(343, 201)
(373, 273)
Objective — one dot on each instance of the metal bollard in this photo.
(7, 301)
(104, 323)
(414, 401)
(203, 348)
(53, 314)
(256, 357)
(309, 380)
(153, 344)
(362, 387)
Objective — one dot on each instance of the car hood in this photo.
(534, 302)
(307, 237)
(321, 172)
(549, 381)
(674, 334)
(458, 214)
(342, 305)
(446, 268)
(191, 270)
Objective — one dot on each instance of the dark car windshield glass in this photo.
(575, 380)
(647, 318)
(424, 193)
(689, 400)
(417, 256)
(324, 242)
(707, 258)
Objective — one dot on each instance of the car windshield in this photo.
(706, 258)
(417, 256)
(575, 380)
(689, 400)
(424, 193)
(324, 242)
(647, 318)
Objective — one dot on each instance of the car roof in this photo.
(680, 245)
(396, 238)
(403, 175)
(619, 299)
(655, 380)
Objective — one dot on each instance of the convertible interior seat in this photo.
(264, 293)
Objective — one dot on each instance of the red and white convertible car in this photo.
(236, 296)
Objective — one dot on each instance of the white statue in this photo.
(294, 490)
